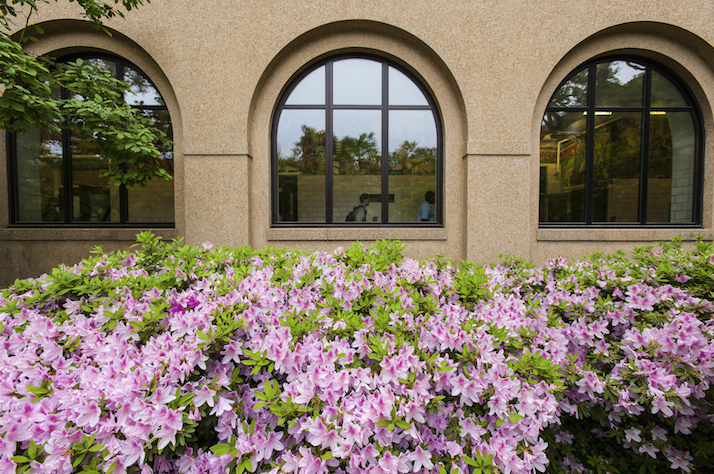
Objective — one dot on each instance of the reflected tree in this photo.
(357, 155)
(411, 159)
(308, 154)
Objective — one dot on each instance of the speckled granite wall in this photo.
(490, 65)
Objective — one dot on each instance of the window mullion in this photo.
(644, 146)
(67, 167)
(328, 143)
(385, 143)
(123, 191)
(590, 147)
(12, 166)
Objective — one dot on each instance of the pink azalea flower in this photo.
(421, 459)
(222, 405)
(633, 434)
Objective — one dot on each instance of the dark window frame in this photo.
(67, 223)
(591, 109)
(329, 107)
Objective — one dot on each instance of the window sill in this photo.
(351, 234)
(620, 235)
(84, 234)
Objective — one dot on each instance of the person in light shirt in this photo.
(426, 212)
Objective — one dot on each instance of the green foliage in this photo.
(379, 256)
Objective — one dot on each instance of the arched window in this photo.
(621, 145)
(55, 176)
(356, 140)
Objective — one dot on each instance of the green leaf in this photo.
(221, 449)
(78, 460)
(19, 459)
(469, 461)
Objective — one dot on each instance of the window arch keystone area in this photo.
(356, 140)
(621, 145)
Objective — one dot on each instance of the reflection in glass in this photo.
(357, 82)
(301, 166)
(671, 168)
(357, 162)
(617, 160)
(412, 165)
(39, 177)
(310, 90)
(155, 201)
(106, 64)
(93, 199)
(619, 84)
(357, 146)
(563, 142)
(574, 93)
(664, 93)
(403, 91)
(140, 90)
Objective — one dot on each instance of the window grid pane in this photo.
(58, 178)
(638, 143)
(361, 143)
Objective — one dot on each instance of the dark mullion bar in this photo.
(11, 140)
(328, 143)
(66, 167)
(385, 143)
(645, 146)
(274, 178)
(123, 203)
(590, 146)
(67, 171)
(299, 107)
(123, 192)
(439, 169)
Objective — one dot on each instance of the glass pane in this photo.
(563, 140)
(664, 93)
(412, 166)
(39, 177)
(403, 91)
(671, 168)
(141, 91)
(155, 201)
(574, 93)
(357, 82)
(311, 90)
(617, 157)
(107, 64)
(93, 199)
(357, 164)
(301, 166)
(619, 84)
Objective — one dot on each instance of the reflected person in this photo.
(361, 210)
(426, 212)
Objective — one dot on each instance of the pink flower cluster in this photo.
(285, 362)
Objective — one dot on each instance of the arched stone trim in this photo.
(67, 37)
(682, 52)
(366, 37)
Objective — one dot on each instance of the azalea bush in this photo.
(181, 359)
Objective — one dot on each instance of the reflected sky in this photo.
(290, 127)
(411, 125)
(357, 82)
